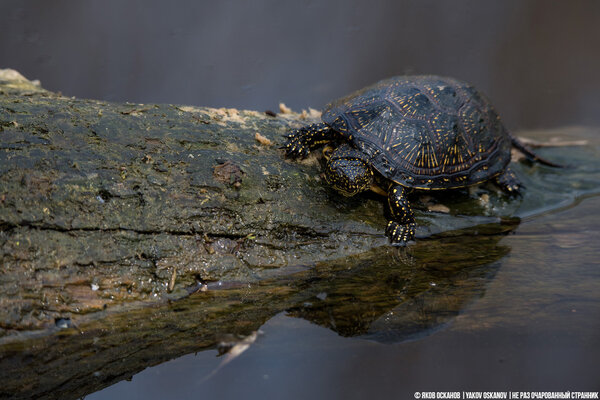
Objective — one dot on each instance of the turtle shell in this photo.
(424, 132)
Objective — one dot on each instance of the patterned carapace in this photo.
(424, 132)
(417, 132)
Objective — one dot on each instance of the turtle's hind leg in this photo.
(509, 182)
(301, 141)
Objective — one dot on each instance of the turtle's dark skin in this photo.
(407, 133)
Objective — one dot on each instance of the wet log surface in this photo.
(105, 203)
(144, 232)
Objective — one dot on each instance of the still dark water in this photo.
(520, 312)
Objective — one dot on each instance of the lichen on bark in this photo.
(103, 202)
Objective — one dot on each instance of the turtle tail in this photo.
(530, 154)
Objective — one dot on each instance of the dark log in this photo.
(104, 203)
(121, 226)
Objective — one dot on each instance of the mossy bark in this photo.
(102, 203)
(112, 214)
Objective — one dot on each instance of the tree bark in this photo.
(111, 215)
(104, 203)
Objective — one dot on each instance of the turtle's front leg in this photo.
(401, 228)
(509, 182)
(301, 141)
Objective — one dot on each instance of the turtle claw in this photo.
(509, 183)
(295, 146)
(399, 234)
(301, 141)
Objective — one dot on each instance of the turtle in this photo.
(410, 133)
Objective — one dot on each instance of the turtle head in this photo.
(348, 170)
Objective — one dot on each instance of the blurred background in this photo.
(538, 61)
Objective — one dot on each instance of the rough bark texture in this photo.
(102, 203)
(112, 214)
